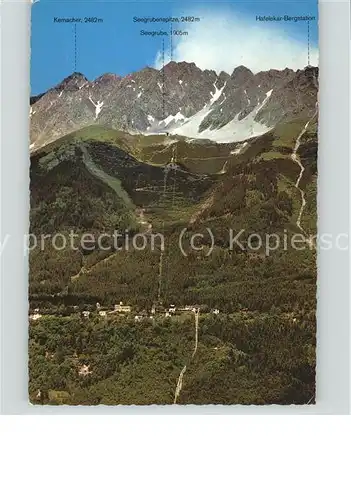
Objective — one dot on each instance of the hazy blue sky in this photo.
(227, 35)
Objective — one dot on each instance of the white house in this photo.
(120, 308)
(35, 316)
(84, 370)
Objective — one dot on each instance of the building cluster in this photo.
(122, 309)
(156, 310)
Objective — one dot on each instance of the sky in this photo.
(226, 36)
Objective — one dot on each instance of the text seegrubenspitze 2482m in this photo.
(182, 19)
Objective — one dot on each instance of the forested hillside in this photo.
(256, 331)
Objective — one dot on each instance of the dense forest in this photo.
(244, 358)
(259, 348)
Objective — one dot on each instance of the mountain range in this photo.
(179, 99)
(163, 151)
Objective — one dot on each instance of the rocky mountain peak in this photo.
(311, 71)
(181, 68)
(222, 78)
(241, 75)
(307, 76)
(148, 71)
(180, 98)
(107, 78)
(75, 81)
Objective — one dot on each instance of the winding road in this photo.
(296, 159)
(182, 373)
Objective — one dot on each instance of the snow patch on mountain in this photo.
(190, 128)
(196, 104)
(234, 131)
(173, 118)
(217, 94)
(98, 106)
